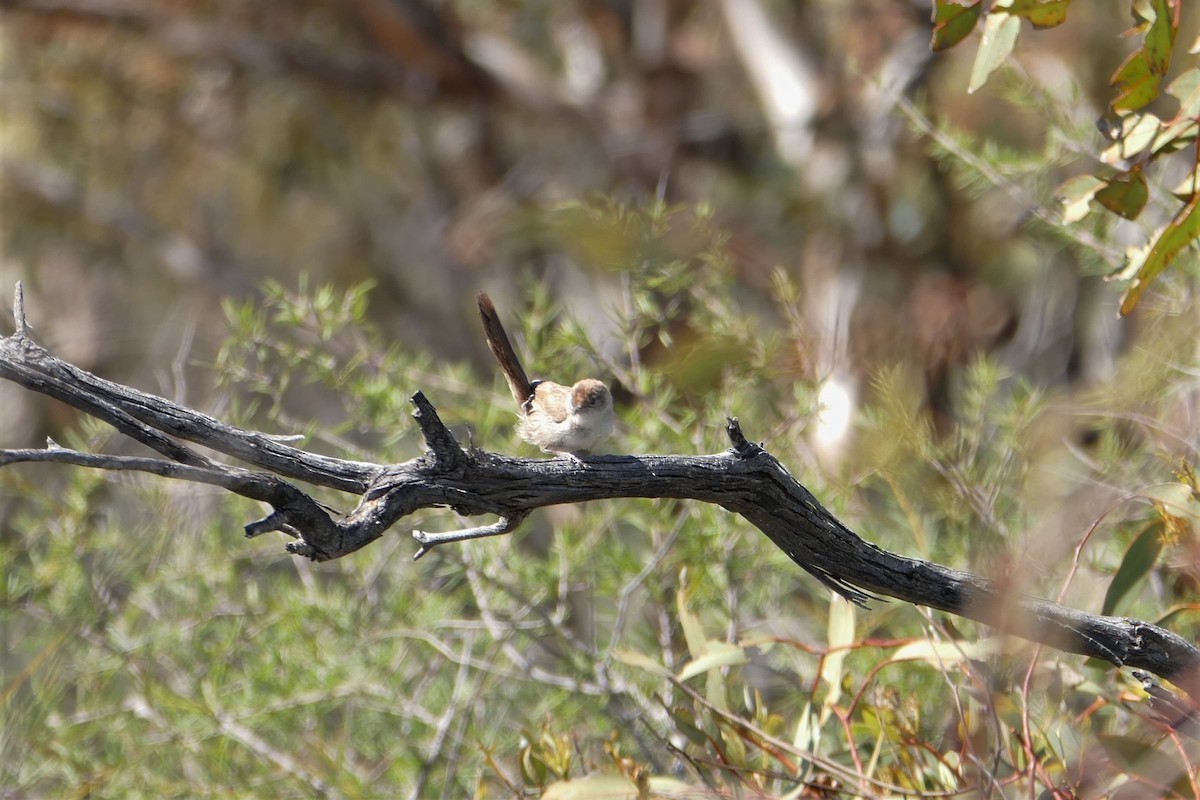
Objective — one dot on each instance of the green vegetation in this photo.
(935, 255)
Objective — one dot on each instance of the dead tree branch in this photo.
(744, 479)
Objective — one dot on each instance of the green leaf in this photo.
(1125, 194)
(999, 37)
(1137, 79)
(1136, 84)
(1160, 37)
(1042, 13)
(1137, 757)
(1180, 232)
(1140, 557)
(685, 723)
(952, 22)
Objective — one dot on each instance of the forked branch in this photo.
(744, 479)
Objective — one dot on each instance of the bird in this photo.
(563, 420)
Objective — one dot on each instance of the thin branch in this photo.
(429, 540)
(19, 311)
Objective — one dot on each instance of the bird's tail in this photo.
(502, 349)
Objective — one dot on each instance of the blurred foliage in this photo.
(873, 273)
(1139, 139)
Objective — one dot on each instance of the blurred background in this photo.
(650, 189)
(160, 156)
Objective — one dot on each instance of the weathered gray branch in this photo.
(745, 480)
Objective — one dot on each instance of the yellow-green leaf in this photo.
(1125, 194)
(1137, 85)
(952, 22)
(999, 37)
(1160, 37)
(1180, 232)
(1042, 13)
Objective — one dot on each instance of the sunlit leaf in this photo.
(999, 37)
(1140, 557)
(664, 787)
(1186, 189)
(633, 658)
(1176, 136)
(807, 738)
(1125, 194)
(952, 22)
(1186, 89)
(593, 787)
(1180, 232)
(1176, 499)
(944, 654)
(840, 636)
(717, 654)
(1183, 129)
(1042, 13)
(1135, 138)
(1076, 196)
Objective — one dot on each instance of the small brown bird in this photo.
(571, 420)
